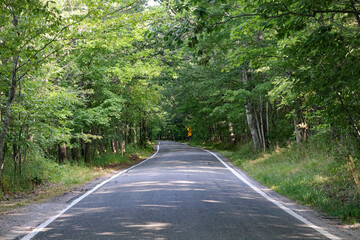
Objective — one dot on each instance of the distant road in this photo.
(181, 193)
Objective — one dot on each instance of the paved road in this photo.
(182, 193)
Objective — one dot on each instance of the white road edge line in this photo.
(277, 203)
(50, 220)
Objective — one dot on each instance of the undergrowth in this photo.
(39, 172)
(314, 174)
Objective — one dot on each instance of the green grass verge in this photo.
(313, 174)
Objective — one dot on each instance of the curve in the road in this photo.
(182, 193)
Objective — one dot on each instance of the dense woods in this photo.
(269, 72)
(75, 83)
(82, 78)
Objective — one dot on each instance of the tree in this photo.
(22, 55)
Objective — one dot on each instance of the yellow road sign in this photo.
(189, 131)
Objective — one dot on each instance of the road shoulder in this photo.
(332, 225)
(21, 221)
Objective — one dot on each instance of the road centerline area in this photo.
(182, 193)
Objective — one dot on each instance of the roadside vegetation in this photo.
(312, 174)
(44, 179)
(76, 90)
(277, 83)
(83, 82)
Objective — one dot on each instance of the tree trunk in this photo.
(82, 147)
(102, 148)
(149, 132)
(20, 162)
(113, 146)
(25, 157)
(297, 133)
(6, 121)
(262, 127)
(15, 156)
(353, 6)
(135, 137)
(74, 150)
(128, 134)
(259, 135)
(123, 141)
(250, 117)
(87, 151)
(117, 146)
(267, 118)
(252, 127)
(62, 153)
(142, 132)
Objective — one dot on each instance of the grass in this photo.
(43, 178)
(313, 174)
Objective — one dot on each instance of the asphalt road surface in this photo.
(181, 193)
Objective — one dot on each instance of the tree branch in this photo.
(355, 12)
(29, 60)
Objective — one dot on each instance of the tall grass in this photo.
(313, 174)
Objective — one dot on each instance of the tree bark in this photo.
(135, 137)
(267, 118)
(257, 126)
(250, 117)
(355, 10)
(62, 153)
(128, 133)
(102, 148)
(87, 149)
(15, 156)
(74, 150)
(113, 146)
(6, 121)
(262, 127)
(142, 132)
(297, 133)
(252, 127)
(123, 141)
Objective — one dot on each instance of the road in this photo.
(181, 193)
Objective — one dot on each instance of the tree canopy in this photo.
(82, 78)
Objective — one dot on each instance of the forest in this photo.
(85, 80)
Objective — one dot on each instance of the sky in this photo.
(152, 3)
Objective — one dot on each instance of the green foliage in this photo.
(81, 79)
(80, 73)
(112, 159)
(286, 71)
(40, 171)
